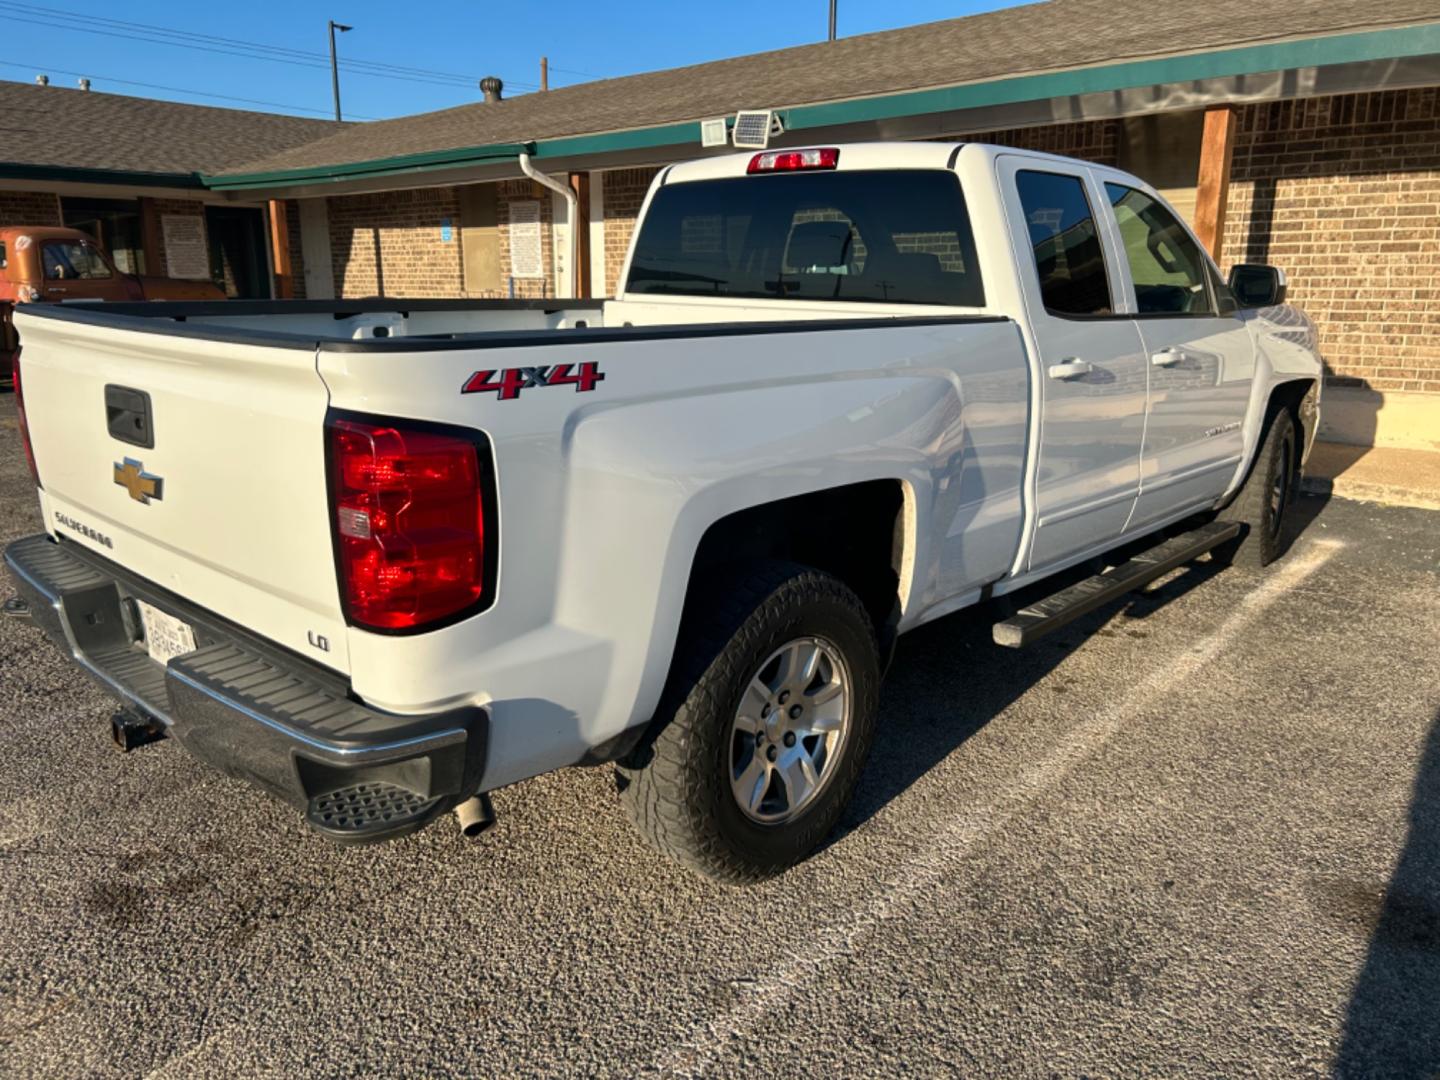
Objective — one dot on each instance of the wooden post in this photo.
(580, 184)
(280, 247)
(544, 73)
(150, 237)
(1212, 189)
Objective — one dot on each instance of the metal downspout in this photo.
(572, 201)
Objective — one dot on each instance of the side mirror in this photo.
(1257, 286)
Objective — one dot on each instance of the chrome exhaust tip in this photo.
(476, 815)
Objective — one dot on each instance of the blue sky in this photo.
(110, 42)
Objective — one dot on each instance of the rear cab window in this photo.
(880, 236)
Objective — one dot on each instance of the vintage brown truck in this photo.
(49, 264)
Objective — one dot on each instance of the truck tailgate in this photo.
(227, 506)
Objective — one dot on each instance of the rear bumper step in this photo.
(256, 713)
(1040, 618)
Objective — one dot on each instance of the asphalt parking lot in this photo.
(1198, 836)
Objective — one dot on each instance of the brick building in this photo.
(121, 168)
(1306, 134)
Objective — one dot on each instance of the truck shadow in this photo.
(1392, 1024)
(949, 679)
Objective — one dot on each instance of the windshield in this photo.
(885, 236)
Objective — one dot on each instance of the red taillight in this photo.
(409, 522)
(794, 160)
(20, 414)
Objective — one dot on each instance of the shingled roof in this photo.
(1035, 38)
(60, 128)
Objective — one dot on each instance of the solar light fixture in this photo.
(714, 132)
(753, 128)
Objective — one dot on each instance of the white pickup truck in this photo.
(382, 557)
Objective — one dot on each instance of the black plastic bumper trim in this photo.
(281, 722)
(369, 749)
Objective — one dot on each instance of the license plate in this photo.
(166, 637)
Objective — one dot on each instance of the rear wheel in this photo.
(1261, 504)
(766, 722)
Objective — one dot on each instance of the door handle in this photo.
(1167, 357)
(1071, 367)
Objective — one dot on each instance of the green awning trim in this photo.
(1225, 63)
(405, 163)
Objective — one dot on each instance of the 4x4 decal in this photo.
(512, 380)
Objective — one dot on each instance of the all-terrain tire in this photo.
(1261, 503)
(676, 786)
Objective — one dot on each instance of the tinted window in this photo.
(1068, 256)
(1165, 263)
(891, 237)
(65, 260)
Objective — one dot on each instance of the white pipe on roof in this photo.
(571, 200)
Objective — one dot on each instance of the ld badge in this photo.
(141, 485)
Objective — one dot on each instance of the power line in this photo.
(228, 42)
(223, 52)
(144, 32)
(572, 71)
(171, 89)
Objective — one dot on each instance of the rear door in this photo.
(1093, 370)
(192, 461)
(1202, 359)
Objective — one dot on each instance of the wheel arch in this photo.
(1289, 395)
(863, 533)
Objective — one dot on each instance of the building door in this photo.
(1092, 385)
(315, 249)
(480, 240)
(1202, 360)
(239, 263)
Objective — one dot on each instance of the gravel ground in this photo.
(1199, 836)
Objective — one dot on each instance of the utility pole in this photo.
(832, 19)
(544, 73)
(334, 67)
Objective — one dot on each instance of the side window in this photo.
(1063, 236)
(1166, 266)
(69, 259)
(3, 262)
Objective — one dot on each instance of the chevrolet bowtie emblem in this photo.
(141, 485)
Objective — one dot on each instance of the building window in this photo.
(115, 226)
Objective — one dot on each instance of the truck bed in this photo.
(605, 487)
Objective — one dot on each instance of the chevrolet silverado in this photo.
(381, 557)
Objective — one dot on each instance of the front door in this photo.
(1092, 364)
(1202, 359)
(239, 263)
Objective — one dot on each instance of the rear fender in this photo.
(649, 479)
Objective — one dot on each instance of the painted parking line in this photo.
(949, 844)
